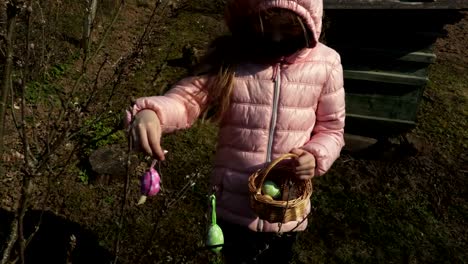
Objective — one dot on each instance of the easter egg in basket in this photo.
(271, 188)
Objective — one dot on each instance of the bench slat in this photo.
(386, 77)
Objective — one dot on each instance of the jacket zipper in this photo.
(274, 115)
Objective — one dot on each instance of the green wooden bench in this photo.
(386, 50)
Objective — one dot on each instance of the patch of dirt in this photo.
(453, 49)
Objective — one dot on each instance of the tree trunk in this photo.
(6, 79)
(5, 88)
(88, 24)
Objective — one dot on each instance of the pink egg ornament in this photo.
(149, 184)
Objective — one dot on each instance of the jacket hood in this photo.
(310, 10)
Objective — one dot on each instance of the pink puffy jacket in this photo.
(298, 102)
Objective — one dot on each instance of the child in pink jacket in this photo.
(275, 89)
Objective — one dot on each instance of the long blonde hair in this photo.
(219, 65)
(220, 90)
(229, 51)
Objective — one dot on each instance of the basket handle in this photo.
(271, 166)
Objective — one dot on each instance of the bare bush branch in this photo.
(88, 25)
(27, 176)
(124, 202)
(65, 114)
(7, 72)
(12, 13)
(11, 242)
(170, 203)
(95, 85)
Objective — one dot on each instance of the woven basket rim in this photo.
(255, 191)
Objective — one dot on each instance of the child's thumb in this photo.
(297, 151)
(160, 153)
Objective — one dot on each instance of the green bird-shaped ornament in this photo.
(215, 237)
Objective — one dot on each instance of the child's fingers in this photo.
(297, 151)
(305, 172)
(144, 144)
(305, 162)
(305, 167)
(158, 152)
(306, 177)
(134, 138)
(154, 141)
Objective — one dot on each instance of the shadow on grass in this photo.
(53, 241)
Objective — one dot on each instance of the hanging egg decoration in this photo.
(149, 184)
(215, 237)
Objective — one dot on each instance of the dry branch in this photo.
(27, 176)
(12, 13)
(88, 24)
(7, 72)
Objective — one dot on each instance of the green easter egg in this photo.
(215, 237)
(270, 188)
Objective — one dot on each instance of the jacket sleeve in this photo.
(327, 136)
(179, 108)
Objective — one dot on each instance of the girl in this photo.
(274, 88)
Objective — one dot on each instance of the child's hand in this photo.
(146, 133)
(305, 168)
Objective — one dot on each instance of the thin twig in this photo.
(124, 201)
(13, 114)
(22, 128)
(161, 68)
(51, 148)
(148, 27)
(137, 50)
(49, 126)
(96, 82)
(42, 23)
(65, 113)
(106, 33)
(26, 175)
(88, 26)
(46, 198)
(67, 134)
(11, 241)
(168, 205)
(7, 72)
(35, 139)
(18, 126)
(55, 174)
(26, 190)
(116, 83)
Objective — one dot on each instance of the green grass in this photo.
(48, 89)
(443, 114)
(101, 133)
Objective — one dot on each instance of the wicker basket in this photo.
(283, 211)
